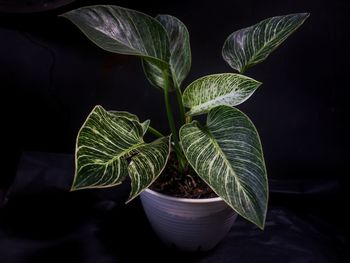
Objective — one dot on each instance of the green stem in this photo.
(171, 122)
(188, 119)
(180, 103)
(169, 112)
(155, 132)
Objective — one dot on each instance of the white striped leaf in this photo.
(156, 74)
(145, 166)
(220, 89)
(106, 143)
(124, 31)
(228, 156)
(252, 45)
(131, 116)
(180, 54)
(179, 44)
(124, 114)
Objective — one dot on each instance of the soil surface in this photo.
(186, 185)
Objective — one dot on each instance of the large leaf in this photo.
(180, 54)
(106, 143)
(249, 46)
(180, 49)
(125, 31)
(220, 89)
(227, 155)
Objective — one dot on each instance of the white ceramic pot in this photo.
(188, 224)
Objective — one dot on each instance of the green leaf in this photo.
(180, 55)
(124, 31)
(180, 49)
(106, 142)
(220, 89)
(132, 117)
(155, 73)
(252, 45)
(124, 114)
(228, 156)
(145, 166)
(145, 126)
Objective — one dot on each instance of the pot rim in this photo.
(185, 200)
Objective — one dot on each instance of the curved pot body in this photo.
(188, 224)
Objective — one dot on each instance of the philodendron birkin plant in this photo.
(225, 152)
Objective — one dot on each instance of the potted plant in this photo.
(224, 155)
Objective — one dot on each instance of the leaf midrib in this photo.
(267, 43)
(222, 154)
(125, 153)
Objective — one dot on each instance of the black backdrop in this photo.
(51, 77)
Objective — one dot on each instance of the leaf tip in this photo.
(258, 83)
(132, 196)
(304, 16)
(261, 225)
(129, 200)
(65, 15)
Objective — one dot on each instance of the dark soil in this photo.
(187, 185)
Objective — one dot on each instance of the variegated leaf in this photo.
(124, 114)
(105, 144)
(156, 74)
(145, 126)
(249, 46)
(147, 164)
(179, 44)
(227, 155)
(131, 116)
(180, 55)
(124, 31)
(220, 89)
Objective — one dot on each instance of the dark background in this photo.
(52, 75)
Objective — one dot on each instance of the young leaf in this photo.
(124, 31)
(252, 45)
(106, 142)
(220, 89)
(227, 155)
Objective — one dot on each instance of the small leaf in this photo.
(227, 155)
(220, 89)
(180, 49)
(105, 144)
(124, 31)
(252, 45)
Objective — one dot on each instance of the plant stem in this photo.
(169, 112)
(180, 103)
(171, 122)
(155, 132)
(188, 119)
